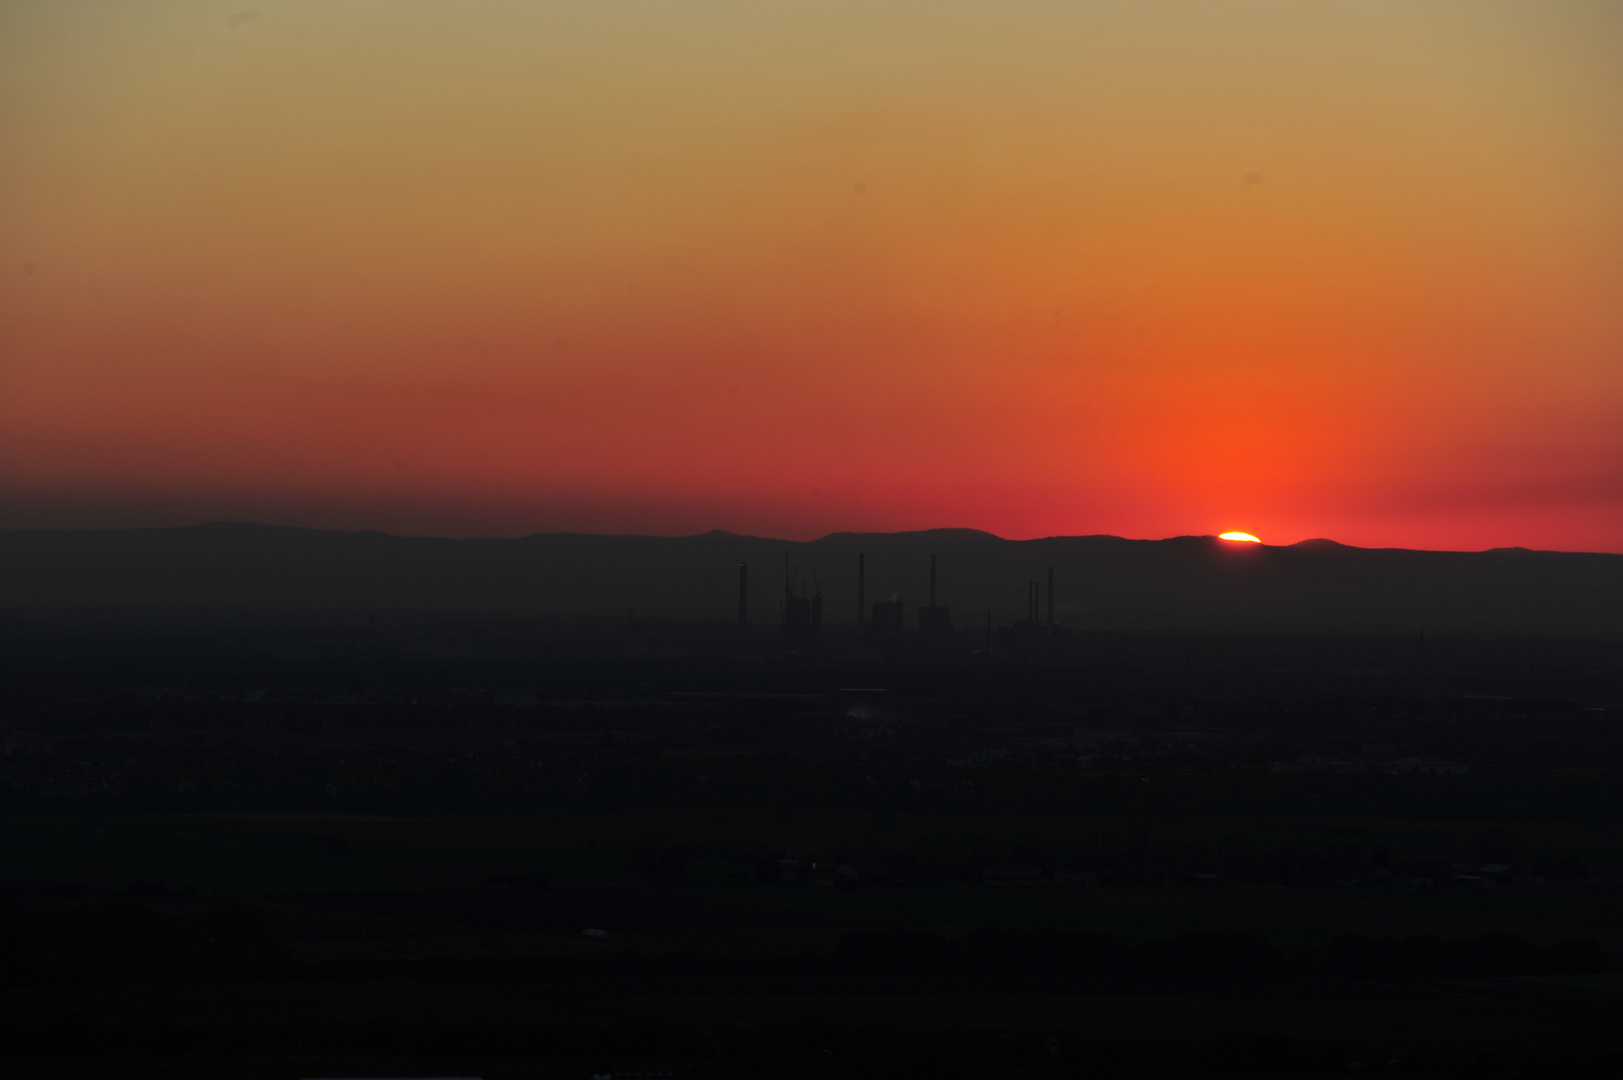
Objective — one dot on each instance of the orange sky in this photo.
(1334, 269)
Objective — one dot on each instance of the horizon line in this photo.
(840, 534)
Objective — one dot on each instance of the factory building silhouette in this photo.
(800, 615)
(934, 619)
(803, 612)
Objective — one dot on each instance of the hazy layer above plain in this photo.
(1184, 584)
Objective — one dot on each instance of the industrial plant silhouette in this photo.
(943, 584)
(291, 803)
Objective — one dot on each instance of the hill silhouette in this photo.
(1183, 584)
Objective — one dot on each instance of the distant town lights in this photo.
(1244, 538)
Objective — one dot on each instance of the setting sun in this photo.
(1244, 537)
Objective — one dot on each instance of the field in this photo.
(354, 884)
(992, 872)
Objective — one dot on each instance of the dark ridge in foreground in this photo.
(1180, 585)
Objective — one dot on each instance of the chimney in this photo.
(743, 594)
(932, 580)
(862, 584)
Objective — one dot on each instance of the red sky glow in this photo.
(1351, 270)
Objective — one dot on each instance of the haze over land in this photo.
(1102, 583)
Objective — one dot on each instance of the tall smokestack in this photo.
(932, 580)
(743, 594)
(1051, 598)
(862, 584)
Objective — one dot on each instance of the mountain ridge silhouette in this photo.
(1105, 583)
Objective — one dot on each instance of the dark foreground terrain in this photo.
(344, 845)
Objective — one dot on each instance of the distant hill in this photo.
(1184, 584)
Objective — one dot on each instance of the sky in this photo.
(1332, 269)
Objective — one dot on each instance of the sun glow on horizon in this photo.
(1240, 536)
